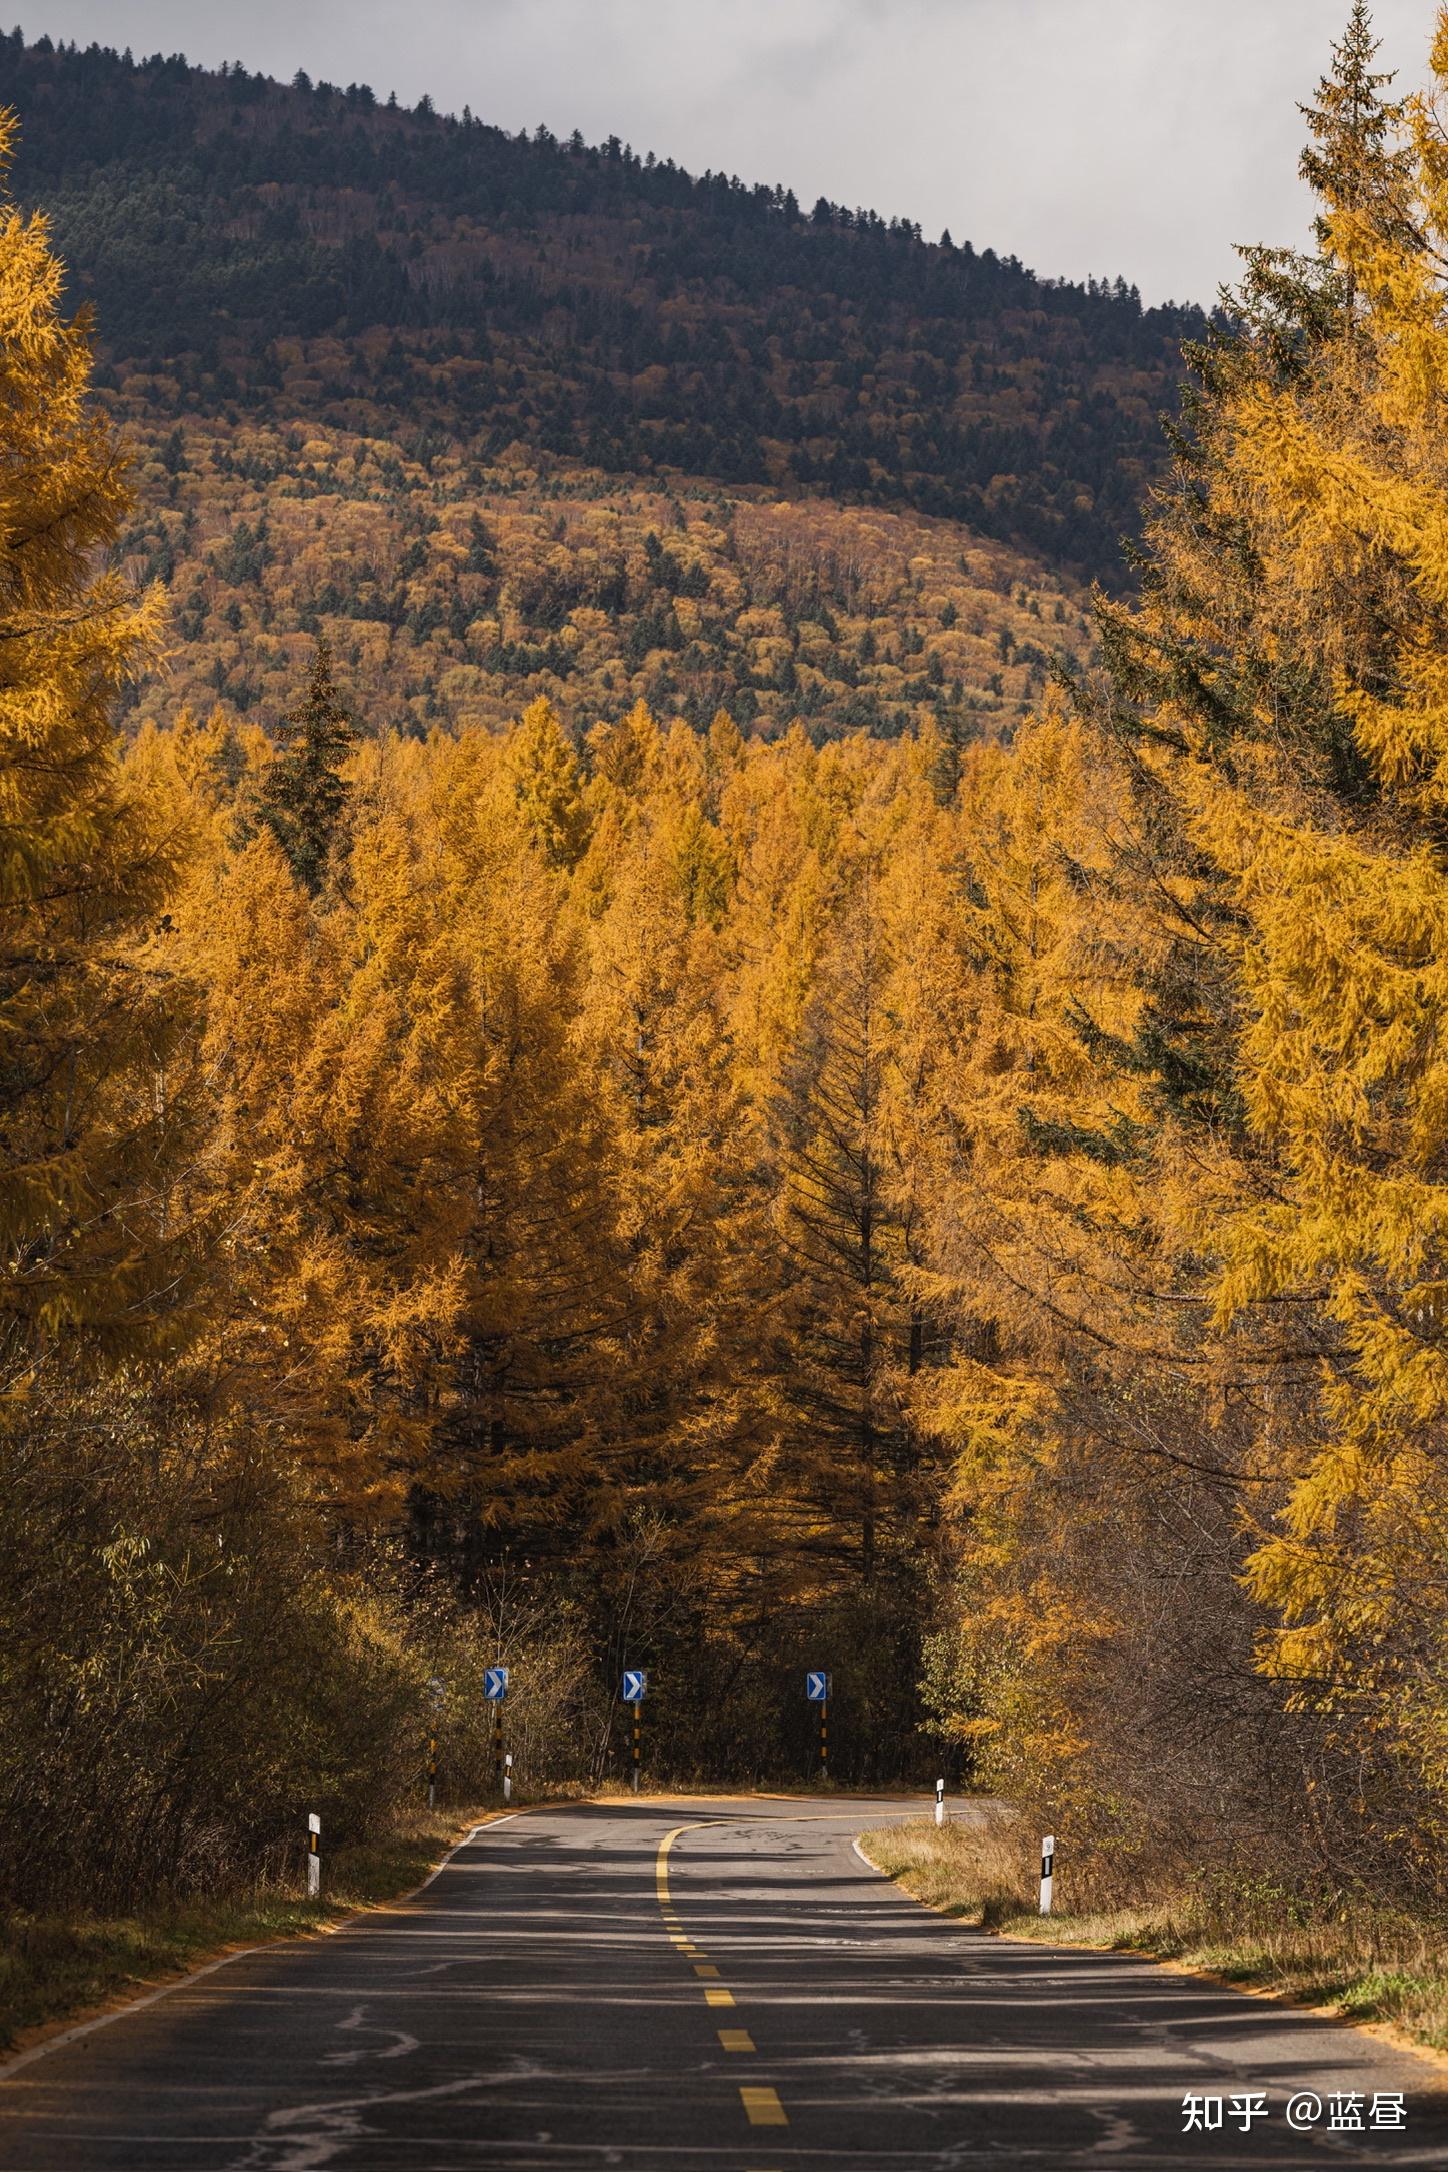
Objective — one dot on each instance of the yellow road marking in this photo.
(762, 2107)
(718, 1998)
(736, 2040)
(661, 1866)
(705, 1968)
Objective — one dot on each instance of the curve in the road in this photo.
(711, 1986)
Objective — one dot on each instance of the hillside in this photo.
(435, 324)
(453, 589)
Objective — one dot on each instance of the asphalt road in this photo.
(694, 1987)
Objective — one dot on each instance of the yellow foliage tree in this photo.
(92, 1025)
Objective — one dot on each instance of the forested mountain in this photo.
(362, 306)
(586, 300)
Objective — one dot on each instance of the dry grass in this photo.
(1361, 1959)
(58, 1967)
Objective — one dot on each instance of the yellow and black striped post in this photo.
(824, 1741)
(635, 1689)
(498, 1747)
(432, 1772)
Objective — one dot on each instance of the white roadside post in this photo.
(940, 1802)
(1048, 1871)
(508, 1777)
(314, 1859)
(437, 1691)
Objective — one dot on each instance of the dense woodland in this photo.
(437, 388)
(970, 1213)
(455, 592)
(403, 379)
(583, 300)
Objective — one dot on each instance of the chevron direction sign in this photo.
(817, 1688)
(495, 1684)
(635, 1685)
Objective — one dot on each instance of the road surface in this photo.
(695, 1986)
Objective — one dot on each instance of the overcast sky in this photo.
(1140, 137)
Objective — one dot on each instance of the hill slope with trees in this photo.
(422, 323)
(587, 301)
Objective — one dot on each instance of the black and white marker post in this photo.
(314, 1856)
(1048, 1871)
(508, 1777)
(940, 1802)
(437, 1690)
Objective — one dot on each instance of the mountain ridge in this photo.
(832, 349)
(435, 307)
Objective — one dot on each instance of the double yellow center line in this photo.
(761, 2104)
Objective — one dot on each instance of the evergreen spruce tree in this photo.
(1214, 663)
(952, 737)
(304, 794)
(1202, 649)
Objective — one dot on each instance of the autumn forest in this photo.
(693, 1028)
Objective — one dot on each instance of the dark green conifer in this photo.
(304, 795)
(1292, 302)
(1210, 644)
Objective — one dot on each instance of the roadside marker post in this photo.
(495, 1690)
(508, 1777)
(314, 1856)
(635, 1689)
(1048, 1871)
(817, 1690)
(437, 1690)
(940, 1802)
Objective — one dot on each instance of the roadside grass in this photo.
(1359, 1959)
(60, 1967)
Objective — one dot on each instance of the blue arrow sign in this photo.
(495, 1684)
(635, 1685)
(817, 1688)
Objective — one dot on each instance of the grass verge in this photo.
(1358, 1959)
(56, 1968)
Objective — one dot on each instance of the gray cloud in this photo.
(1141, 137)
